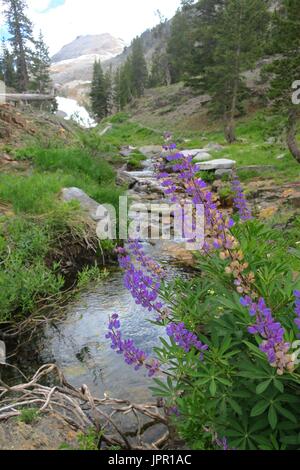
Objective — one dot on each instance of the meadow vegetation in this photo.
(35, 223)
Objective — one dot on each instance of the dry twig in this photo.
(83, 411)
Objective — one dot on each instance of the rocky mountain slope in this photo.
(72, 66)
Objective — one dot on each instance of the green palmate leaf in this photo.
(254, 349)
(235, 406)
(262, 387)
(203, 381)
(161, 384)
(292, 440)
(158, 392)
(272, 417)
(279, 385)
(258, 425)
(224, 381)
(259, 408)
(237, 444)
(213, 388)
(286, 413)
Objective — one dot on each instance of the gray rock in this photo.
(219, 164)
(125, 178)
(202, 157)
(222, 172)
(127, 151)
(150, 150)
(199, 155)
(88, 204)
(143, 174)
(214, 147)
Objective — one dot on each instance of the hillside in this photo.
(72, 66)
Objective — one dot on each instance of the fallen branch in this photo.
(82, 411)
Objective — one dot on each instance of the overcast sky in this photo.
(63, 20)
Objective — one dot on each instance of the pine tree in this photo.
(286, 69)
(160, 73)
(98, 92)
(108, 80)
(180, 43)
(20, 29)
(123, 85)
(238, 31)
(160, 69)
(1, 66)
(117, 90)
(41, 66)
(139, 72)
(204, 39)
(9, 74)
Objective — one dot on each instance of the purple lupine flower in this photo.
(169, 146)
(222, 443)
(297, 307)
(153, 367)
(167, 135)
(216, 225)
(184, 338)
(172, 410)
(136, 249)
(132, 355)
(240, 202)
(272, 333)
(142, 276)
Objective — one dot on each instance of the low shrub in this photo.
(230, 369)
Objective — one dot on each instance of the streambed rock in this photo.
(223, 172)
(127, 150)
(199, 155)
(214, 147)
(88, 204)
(151, 150)
(219, 164)
(95, 211)
(48, 432)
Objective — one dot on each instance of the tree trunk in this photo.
(230, 117)
(292, 134)
(229, 131)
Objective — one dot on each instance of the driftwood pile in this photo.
(83, 412)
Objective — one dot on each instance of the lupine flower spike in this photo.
(272, 333)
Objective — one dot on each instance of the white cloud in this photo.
(38, 5)
(121, 18)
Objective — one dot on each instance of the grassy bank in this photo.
(43, 240)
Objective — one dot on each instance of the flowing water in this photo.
(78, 344)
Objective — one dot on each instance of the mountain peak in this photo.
(104, 45)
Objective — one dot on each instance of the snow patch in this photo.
(73, 110)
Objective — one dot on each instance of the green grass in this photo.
(25, 277)
(30, 236)
(252, 148)
(54, 169)
(69, 160)
(135, 161)
(29, 415)
(126, 132)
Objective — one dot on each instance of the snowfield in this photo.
(73, 110)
